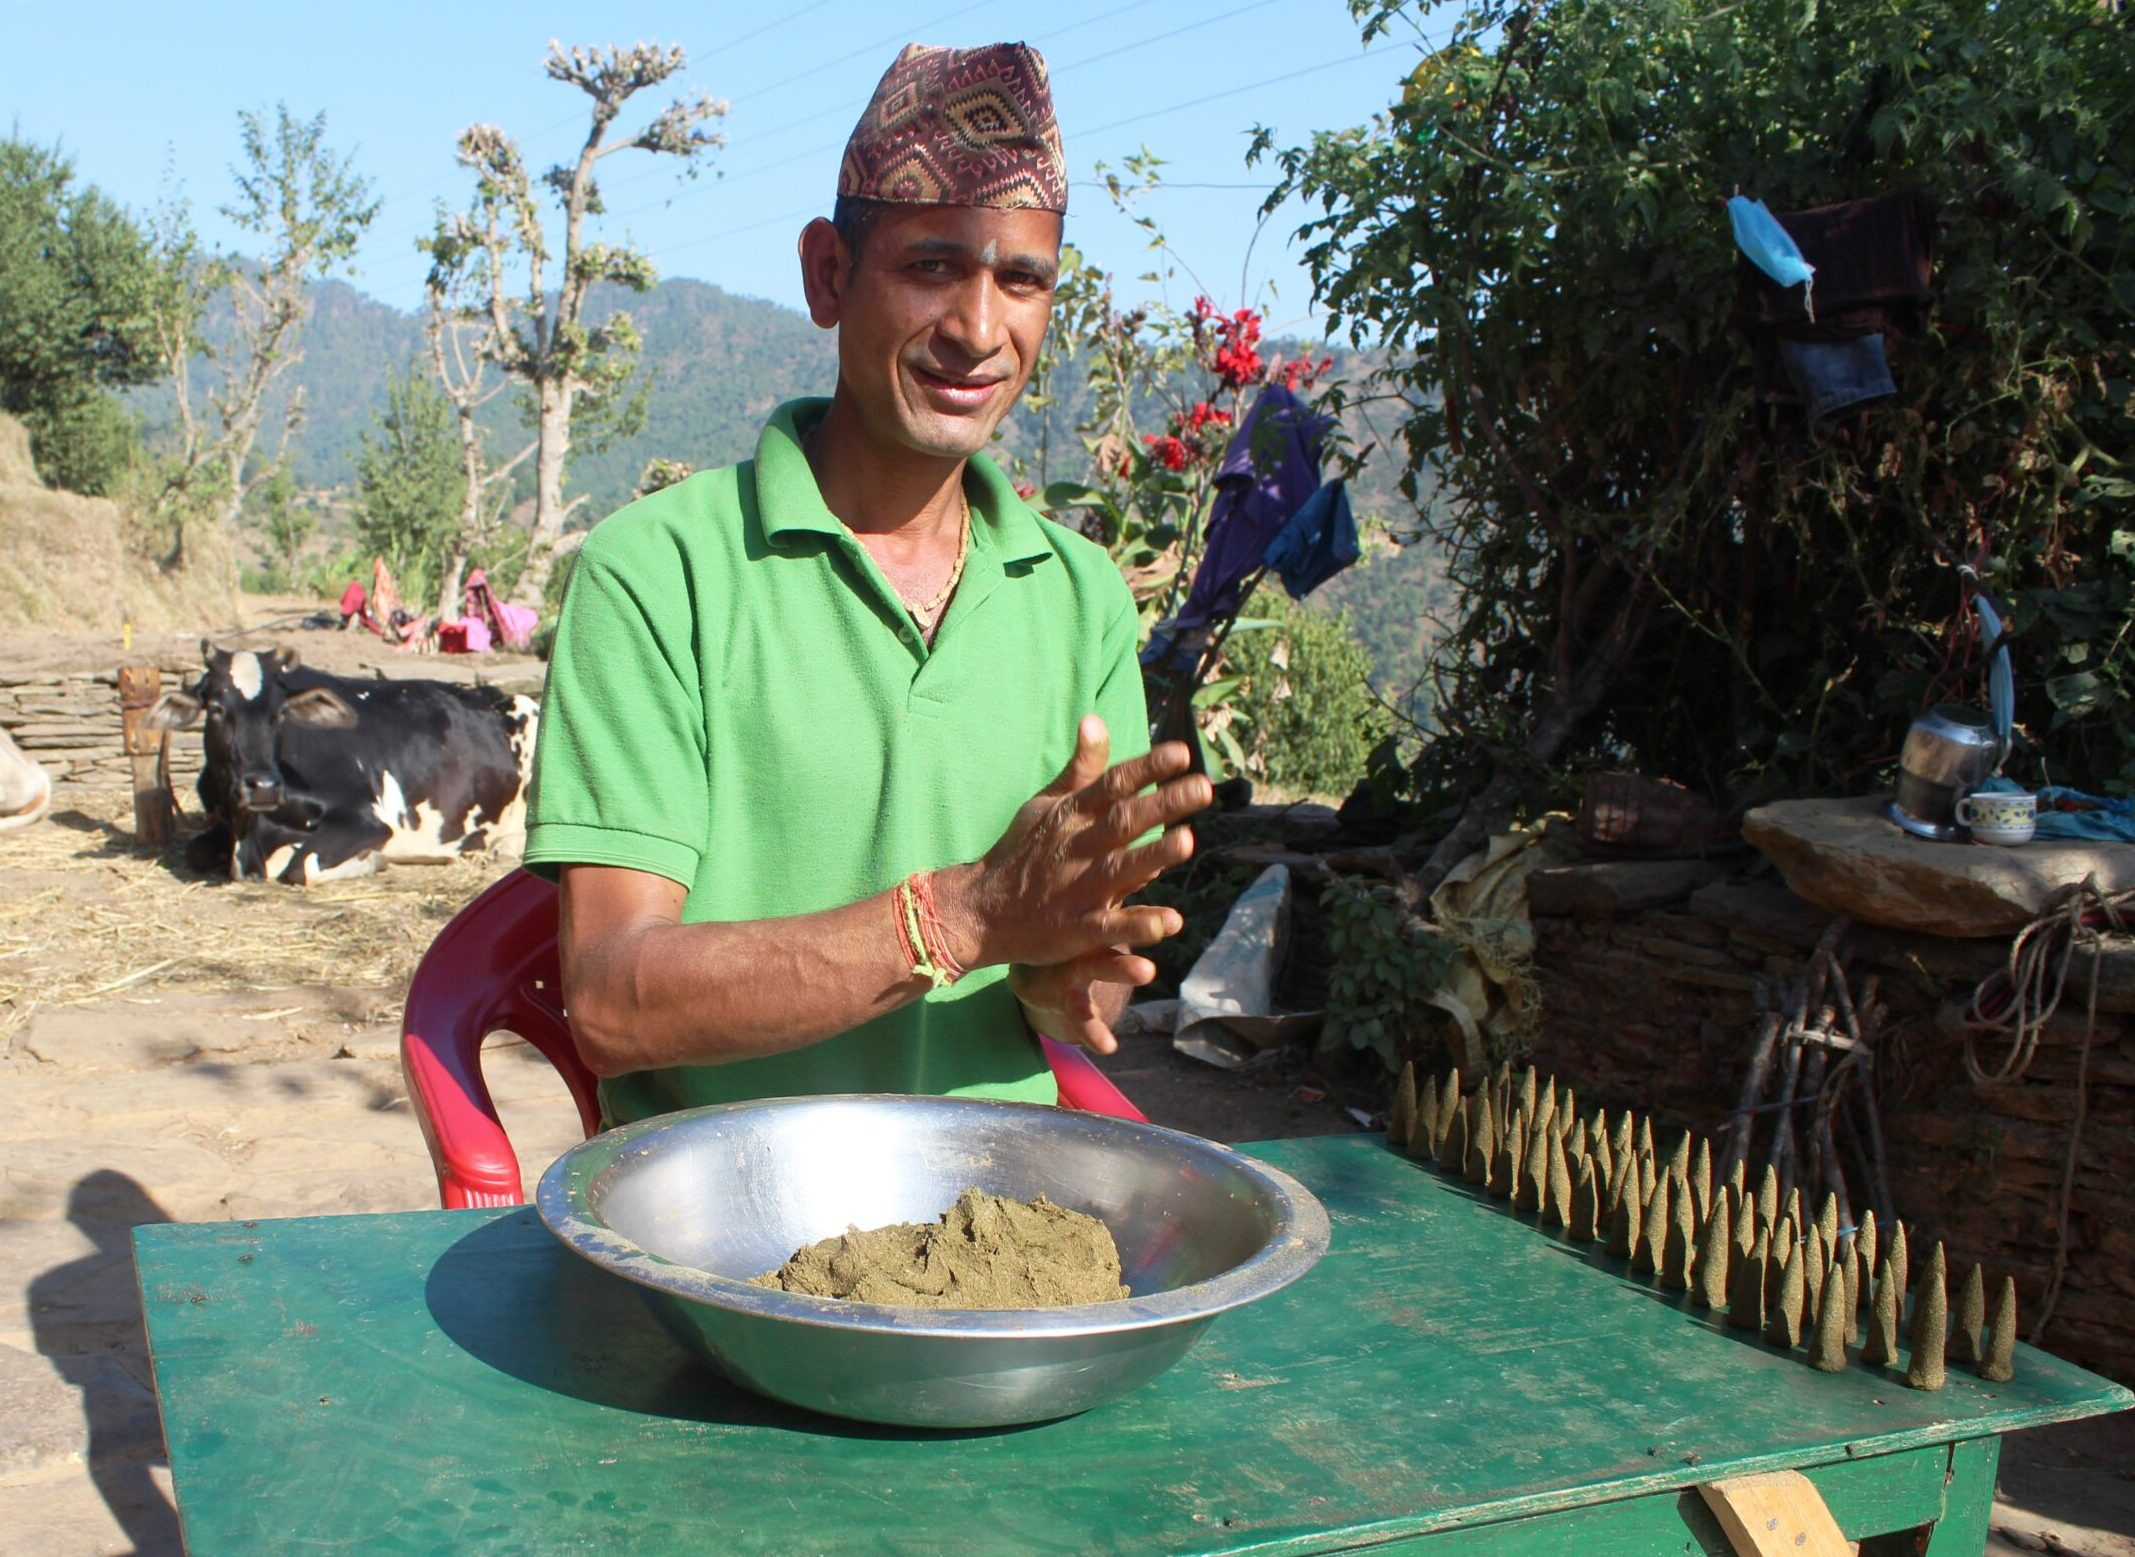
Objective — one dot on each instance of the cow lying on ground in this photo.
(25, 788)
(312, 777)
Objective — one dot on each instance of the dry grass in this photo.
(86, 916)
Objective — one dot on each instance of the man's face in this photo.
(939, 319)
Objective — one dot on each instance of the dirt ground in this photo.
(177, 1048)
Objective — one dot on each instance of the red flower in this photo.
(1168, 451)
(1190, 422)
(1301, 373)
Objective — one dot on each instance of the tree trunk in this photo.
(555, 401)
(448, 594)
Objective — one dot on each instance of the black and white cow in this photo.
(311, 777)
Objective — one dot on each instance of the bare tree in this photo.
(578, 373)
(311, 210)
(454, 328)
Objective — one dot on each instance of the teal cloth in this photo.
(2070, 813)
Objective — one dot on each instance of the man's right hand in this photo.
(1053, 887)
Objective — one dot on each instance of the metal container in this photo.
(1948, 753)
(690, 1205)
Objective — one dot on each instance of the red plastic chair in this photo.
(495, 969)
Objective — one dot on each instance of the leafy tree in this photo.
(536, 325)
(1653, 565)
(310, 209)
(74, 277)
(1305, 694)
(409, 483)
(286, 522)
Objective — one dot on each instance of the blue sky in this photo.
(134, 88)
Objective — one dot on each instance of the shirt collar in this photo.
(790, 502)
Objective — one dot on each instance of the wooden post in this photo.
(154, 809)
(1776, 1514)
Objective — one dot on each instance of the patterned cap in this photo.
(960, 127)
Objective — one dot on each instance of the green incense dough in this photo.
(1931, 1319)
(1969, 1317)
(984, 1252)
(1999, 1365)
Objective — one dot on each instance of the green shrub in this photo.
(1308, 715)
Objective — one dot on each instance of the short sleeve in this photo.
(620, 775)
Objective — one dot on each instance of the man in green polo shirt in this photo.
(823, 765)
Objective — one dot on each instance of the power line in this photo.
(771, 26)
(1251, 86)
(1165, 37)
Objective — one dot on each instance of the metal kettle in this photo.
(1948, 753)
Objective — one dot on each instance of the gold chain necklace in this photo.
(927, 613)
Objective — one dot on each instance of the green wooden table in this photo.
(1448, 1381)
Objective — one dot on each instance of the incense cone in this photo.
(1546, 1105)
(1679, 1162)
(1453, 1145)
(1482, 1140)
(1815, 1267)
(1999, 1365)
(1856, 1284)
(1864, 1242)
(1645, 1137)
(1620, 1138)
(1745, 1286)
(1901, 1265)
(1422, 1142)
(1881, 1348)
(1701, 1180)
(1793, 1211)
(1930, 1333)
(1827, 1354)
(1557, 1208)
(1827, 1221)
(1586, 1204)
(1505, 1167)
(1403, 1112)
(1714, 1262)
(1448, 1098)
(1768, 1197)
(1745, 1229)
(1738, 1182)
(1785, 1244)
(1598, 1148)
(1680, 1250)
(1529, 1082)
(1969, 1317)
(1652, 1231)
(1782, 1326)
(1625, 1218)
(1567, 1112)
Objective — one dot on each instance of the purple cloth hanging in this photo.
(1271, 466)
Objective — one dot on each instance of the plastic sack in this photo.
(1771, 249)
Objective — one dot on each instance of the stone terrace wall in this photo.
(1652, 1004)
(69, 722)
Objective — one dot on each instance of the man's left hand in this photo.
(1078, 1000)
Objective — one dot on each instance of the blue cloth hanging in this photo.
(1270, 467)
(1319, 541)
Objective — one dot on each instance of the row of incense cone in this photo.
(1764, 1264)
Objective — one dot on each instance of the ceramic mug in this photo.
(1999, 818)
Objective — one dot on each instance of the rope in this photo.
(2022, 997)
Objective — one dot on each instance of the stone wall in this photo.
(69, 723)
(1653, 1005)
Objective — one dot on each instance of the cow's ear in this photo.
(283, 658)
(172, 711)
(320, 706)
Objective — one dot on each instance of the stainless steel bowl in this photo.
(690, 1205)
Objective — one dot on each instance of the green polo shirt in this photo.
(739, 702)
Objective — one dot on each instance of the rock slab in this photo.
(1846, 856)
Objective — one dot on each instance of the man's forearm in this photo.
(659, 993)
